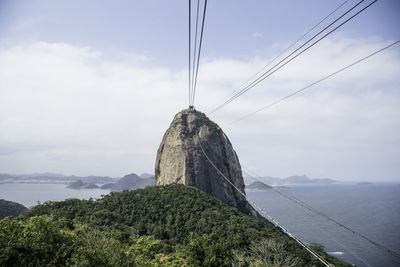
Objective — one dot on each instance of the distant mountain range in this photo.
(133, 181)
(291, 180)
(128, 182)
(52, 178)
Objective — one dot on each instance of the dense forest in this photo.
(9, 208)
(173, 225)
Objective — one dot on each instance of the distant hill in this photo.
(258, 186)
(146, 175)
(52, 178)
(9, 208)
(297, 179)
(128, 182)
(107, 186)
(291, 180)
(81, 185)
(131, 182)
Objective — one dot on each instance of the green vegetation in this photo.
(204, 120)
(266, 252)
(44, 241)
(173, 225)
(9, 208)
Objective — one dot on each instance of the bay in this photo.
(30, 194)
(372, 210)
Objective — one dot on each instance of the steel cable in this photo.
(278, 66)
(198, 55)
(314, 83)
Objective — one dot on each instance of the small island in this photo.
(81, 185)
(258, 186)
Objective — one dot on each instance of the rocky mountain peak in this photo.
(180, 158)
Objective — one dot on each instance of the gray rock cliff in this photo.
(180, 158)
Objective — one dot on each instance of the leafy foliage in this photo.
(44, 241)
(207, 250)
(168, 212)
(266, 252)
(9, 208)
(37, 241)
(204, 120)
(172, 225)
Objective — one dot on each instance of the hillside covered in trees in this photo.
(10, 208)
(173, 225)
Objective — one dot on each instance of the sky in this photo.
(90, 87)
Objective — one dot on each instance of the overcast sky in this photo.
(89, 87)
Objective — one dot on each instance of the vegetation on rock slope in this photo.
(9, 208)
(173, 225)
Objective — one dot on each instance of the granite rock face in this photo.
(180, 158)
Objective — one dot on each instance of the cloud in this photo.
(70, 109)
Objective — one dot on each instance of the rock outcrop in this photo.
(180, 158)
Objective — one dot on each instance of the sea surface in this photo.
(372, 210)
(31, 194)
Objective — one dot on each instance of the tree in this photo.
(96, 248)
(38, 241)
(265, 253)
(207, 250)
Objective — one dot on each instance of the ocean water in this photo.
(30, 194)
(371, 210)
